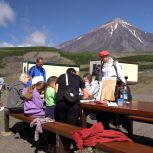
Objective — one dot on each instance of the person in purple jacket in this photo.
(33, 103)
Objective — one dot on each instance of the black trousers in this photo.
(67, 113)
(106, 117)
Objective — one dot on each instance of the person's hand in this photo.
(90, 97)
(101, 101)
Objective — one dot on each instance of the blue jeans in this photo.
(49, 111)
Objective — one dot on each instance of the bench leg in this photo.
(6, 121)
(83, 118)
(117, 121)
(59, 144)
(130, 132)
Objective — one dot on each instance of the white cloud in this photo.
(7, 14)
(37, 38)
(5, 44)
(13, 37)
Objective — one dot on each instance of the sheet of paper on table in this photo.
(113, 104)
(87, 100)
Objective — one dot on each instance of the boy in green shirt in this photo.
(50, 97)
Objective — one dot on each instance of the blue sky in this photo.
(51, 22)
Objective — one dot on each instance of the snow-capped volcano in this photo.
(117, 35)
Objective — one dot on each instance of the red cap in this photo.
(103, 53)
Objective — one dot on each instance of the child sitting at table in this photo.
(33, 103)
(50, 96)
(91, 85)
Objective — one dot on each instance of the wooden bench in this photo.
(60, 129)
(66, 130)
(142, 119)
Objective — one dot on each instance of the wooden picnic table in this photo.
(136, 110)
(141, 108)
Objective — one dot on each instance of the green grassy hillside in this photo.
(20, 51)
(145, 61)
(83, 58)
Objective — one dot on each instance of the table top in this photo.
(141, 108)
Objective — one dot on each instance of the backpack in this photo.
(115, 67)
(71, 96)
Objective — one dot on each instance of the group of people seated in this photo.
(40, 99)
(25, 96)
(46, 98)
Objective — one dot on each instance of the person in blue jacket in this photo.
(37, 71)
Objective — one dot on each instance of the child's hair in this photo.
(88, 76)
(51, 79)
(40, 86)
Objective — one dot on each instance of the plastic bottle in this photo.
(125, 94)
(121, 93)
(120, 100)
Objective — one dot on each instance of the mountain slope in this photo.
(117, 35)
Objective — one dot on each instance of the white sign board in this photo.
(51, 69)
(129, 69)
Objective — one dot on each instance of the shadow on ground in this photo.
(143, 140)
(24, 131)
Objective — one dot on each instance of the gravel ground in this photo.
(23, 142)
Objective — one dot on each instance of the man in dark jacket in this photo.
(96, 71)
(15, 97)
(64, 111)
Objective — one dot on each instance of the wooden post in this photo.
(6, 121)
(130, 132)
(83, 118)
(117, 121)
(59, 144)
